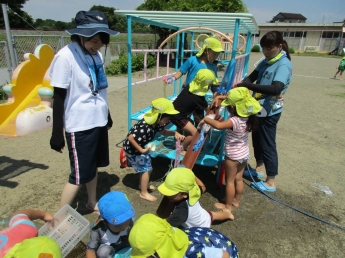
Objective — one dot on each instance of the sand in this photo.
(310, 140)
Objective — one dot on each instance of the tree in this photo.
(17, 17)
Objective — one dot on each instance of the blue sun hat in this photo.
(89, 23)
(115, 208)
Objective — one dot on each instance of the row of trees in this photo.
(20, 19)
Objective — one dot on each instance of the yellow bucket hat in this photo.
(204, 77)
(245, 104)
(151, 234)
(159, 106)
(213, 43)
(38, 247)
(181, 180)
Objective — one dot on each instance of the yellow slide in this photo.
(28, 80)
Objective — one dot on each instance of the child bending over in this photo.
(142, 133)
(183, 188)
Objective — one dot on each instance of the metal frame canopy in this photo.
(224, 22)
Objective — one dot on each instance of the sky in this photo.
(316, 11)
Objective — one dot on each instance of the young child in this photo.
(242, 108)
(110, 232)
(142, 133)
(201, 74)
(183, 188)
(152, 236)
(340, 68)
(13, 240)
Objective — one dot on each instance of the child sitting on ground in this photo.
(141, 134)
(152, 236)
(242, 108)
(22, 234)
(110, 232)
(183, 188)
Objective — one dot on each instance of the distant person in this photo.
(242, 108)
(20, 238)
(201, 74)
(143, 132)
(340, 68)
(80, 109)
(154, 237)
(272, 77)
(110, 233)
(184, 189)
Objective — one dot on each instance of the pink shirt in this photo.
(20, 228)
(236, 139)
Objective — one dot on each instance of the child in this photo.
(242, 108)
(183, 188)
(340, 68)
(152, 236)
(13, 240)
(193, 99)
(110, 233)
(142, 133)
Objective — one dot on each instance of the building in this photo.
(302, 36)
(288, 18)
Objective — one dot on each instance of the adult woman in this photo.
(272, 76)
(80, 105)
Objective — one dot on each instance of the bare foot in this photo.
(147, 197)
(219, 206)
(150, 188)
(231, 216)
(236, 204)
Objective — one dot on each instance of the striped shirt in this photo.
(236, 140)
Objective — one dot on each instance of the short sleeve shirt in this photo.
(143, 133)
(20, 228)
(192, 66)
(100, 234)
(280, 71)
(204, 241)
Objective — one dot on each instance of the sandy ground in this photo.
(311, 143)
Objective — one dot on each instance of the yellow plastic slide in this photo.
(27, 79)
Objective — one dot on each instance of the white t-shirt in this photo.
(83, 110)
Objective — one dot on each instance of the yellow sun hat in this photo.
(159, 106)
(213, 43)
(245, 104)
(151, 234)
(41, 246)
(202, 81)
(181, 180)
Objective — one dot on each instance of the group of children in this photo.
(186, 232)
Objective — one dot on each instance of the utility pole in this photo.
(9, 37)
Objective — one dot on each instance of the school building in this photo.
(303, 36)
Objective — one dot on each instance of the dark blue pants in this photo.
(264, 143)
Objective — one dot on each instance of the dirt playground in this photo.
(292, 222)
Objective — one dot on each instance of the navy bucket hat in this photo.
(89, 23)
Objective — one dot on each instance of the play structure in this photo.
(234, 29)
(28, 107)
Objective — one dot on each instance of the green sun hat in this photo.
(245, 104)
(181, 180)
(213, 43)
(151, 234)
(159, 106)
(202, 81)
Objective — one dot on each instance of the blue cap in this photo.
(115, 208)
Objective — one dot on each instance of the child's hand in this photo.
(179, 137)
(170, 79)
(146, 150)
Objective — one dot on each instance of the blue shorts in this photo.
(87, 150)
(141, 163)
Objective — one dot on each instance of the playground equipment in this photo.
(28, 107)
(222, 24)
